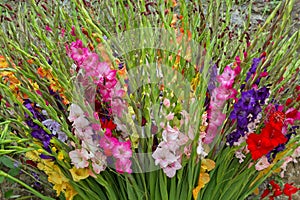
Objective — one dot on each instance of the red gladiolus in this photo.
(265, 193)
(269, 138)
(258, 145)
(274, 135)
(276, 120)
(108, 124)
(289, 190)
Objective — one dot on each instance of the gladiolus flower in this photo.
(79, 174)
(79, 158)
(289, 190)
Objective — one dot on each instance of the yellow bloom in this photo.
(32, 155)
(79, 174)
(206, 166)
(196, 191)
(3, 62)
(46, 166)
(60, 156)
(203, 179)
(53, 149)
(60, 188)
(56, 176)
(70, 192)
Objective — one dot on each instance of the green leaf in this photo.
(14, 171)
(8, 193)
(1, 179)
(7, 162)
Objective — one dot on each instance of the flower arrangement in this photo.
(109, 107)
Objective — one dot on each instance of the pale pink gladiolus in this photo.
(99, 162)
(85, 132)
(81, 122)
(163, 157)
(262, 164)
(170, 134)
(171, 146)
(171, 169)
(79, 158)
(75, 112)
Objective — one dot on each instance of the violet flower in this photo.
(246, 111)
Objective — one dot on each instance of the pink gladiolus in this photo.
(122, 150)
(225, 93)
(123, 166)
(96, 127)
(108, 144)
(77, 52)
(227, 77)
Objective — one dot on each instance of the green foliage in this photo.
(209, 26)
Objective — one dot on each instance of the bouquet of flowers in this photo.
(149, 100)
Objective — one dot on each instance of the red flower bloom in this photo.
(108, 124)
(289, 190)
(276, 189)
(258, 145)
(288, 101)
(274, 185)
(265, 193)
(276, 120)
(274, 135)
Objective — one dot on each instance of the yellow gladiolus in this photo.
(206, 166)
(70, 192)
(79, 174)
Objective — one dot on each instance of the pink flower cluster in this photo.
(120, 151)
(219, 96)
(100, 72)
(168, 153)
(89, 146)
